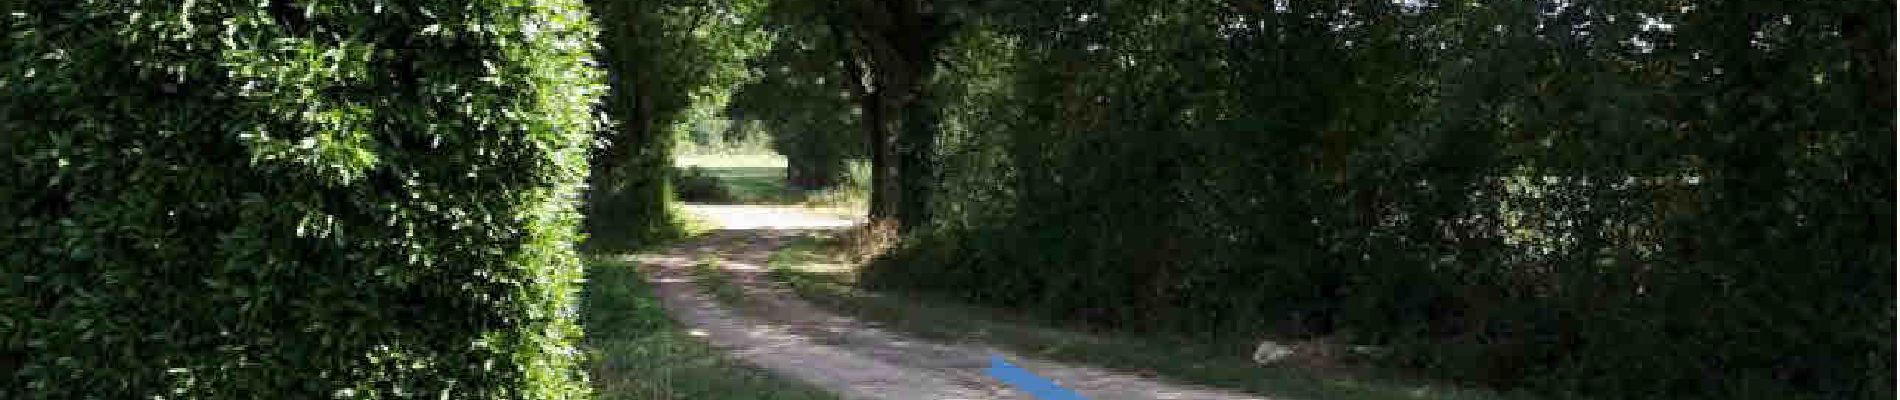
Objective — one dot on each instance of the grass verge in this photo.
(760, 179)
(717, 283)
(636, 352)
(817, 270)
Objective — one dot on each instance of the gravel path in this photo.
(857, 360)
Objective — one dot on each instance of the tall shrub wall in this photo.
(291, 199)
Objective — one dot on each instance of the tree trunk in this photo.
(879, 138)
(896, 41)
(917, 147)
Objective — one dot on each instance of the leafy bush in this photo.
(292, 199)
(1628, 201)
(694, 185)
(664, 61)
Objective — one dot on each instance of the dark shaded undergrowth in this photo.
(820, 270)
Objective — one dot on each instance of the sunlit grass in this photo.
(691, 225)
(760, 179)
(730, 161)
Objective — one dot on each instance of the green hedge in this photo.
(291, 199)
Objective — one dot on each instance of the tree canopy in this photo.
(1621, 199)
(1581, 198)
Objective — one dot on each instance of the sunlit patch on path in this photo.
(745, 217)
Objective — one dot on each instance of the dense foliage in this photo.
(797, 96)
(1624, 199)
(880, 56)
(664, 59)
(292, 199)
(1620, 199)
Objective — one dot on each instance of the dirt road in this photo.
(782, 333)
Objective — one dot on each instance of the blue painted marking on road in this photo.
(1038, 387)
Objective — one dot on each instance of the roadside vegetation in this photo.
(240, 199)
(392, 198)
(822, 269)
